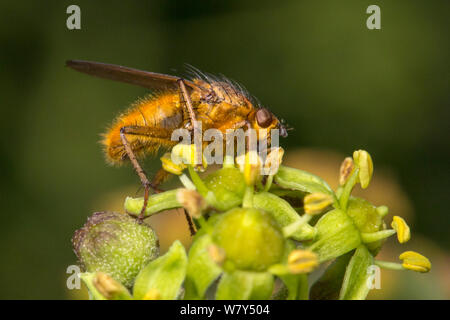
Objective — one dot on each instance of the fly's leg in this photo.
(160, 176)
(190, 222)
(137, 167)
(197, 133)
(193, 118)
(140, 131)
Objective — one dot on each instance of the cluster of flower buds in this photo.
(250, 234)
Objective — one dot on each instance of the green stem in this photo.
(303, 292)
(375, 236)
(268, 183)
(156, 203)
(247, 202)
(348, 187)
(199, 184)
(294, 227)
(187, 183)
(389, 265)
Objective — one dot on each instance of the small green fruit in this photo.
(115, 244)
(251, 238)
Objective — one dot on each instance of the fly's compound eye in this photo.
(264, 118)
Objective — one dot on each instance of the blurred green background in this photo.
(314, 63)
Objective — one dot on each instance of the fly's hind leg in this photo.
(160, 176)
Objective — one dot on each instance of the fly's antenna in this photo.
(256, 101)
(286, 125)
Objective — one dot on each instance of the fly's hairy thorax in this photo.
(220, 106)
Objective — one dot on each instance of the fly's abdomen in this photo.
(148, 124)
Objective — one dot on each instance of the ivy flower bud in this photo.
(252, 240)
(170, 166)
(273, 161)
(192, 201)
(363, 159)
(415, 261)
(403, 232)
(345, 170)
(302, 261)
(315, 203)
(115, 244)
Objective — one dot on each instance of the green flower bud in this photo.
(251, 238)
(228, 187)
(115, 244)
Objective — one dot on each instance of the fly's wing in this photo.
(141, 78)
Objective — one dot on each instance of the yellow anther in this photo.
(192, 201)
(415, 261)
(345, 170)
(273, 161)
(302, 261)
(170, 166)
(316, 202)
(152, 294)
(403, 232)
(217, 254)
(363, 159)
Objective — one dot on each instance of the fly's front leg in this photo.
(137, 167)
(193, 119)
(160, 176)
(145, 132)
